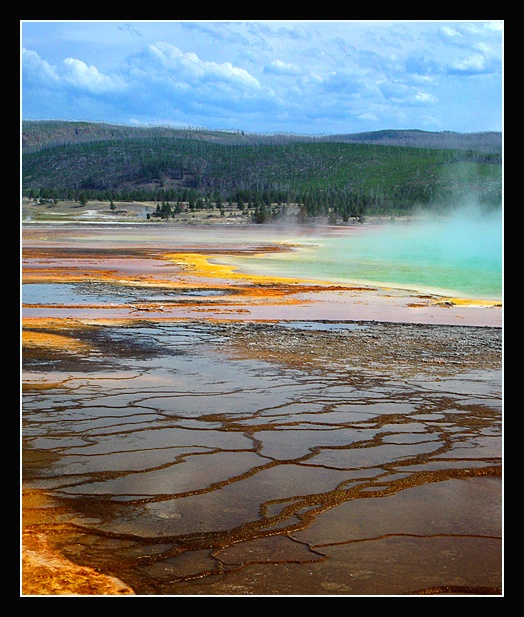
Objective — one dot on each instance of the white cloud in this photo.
(266, 75)
(282, 68)
(497, 26)
(168, 60)
(78, 74)
(70, 73)
(35, 68)
(472, 64)
(400, 93)
(448, 31)
(425, 98)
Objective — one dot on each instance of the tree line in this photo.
(323, 179)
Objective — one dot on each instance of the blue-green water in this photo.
(459, 256)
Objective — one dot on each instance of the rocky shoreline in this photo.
(371, 346)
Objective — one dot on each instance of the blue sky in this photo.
(306, 77)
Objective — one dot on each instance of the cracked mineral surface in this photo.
(176, 452)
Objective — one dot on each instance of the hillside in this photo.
(351, 174)
(41, 134)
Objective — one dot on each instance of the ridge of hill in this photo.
(383, 171)
(37, 134)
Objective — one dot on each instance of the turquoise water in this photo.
(458, 256)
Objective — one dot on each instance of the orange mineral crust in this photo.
(209, 288)
(45, 571)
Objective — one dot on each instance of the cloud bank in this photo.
(305, 77)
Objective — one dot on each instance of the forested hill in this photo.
(45, 133)
(385, 171)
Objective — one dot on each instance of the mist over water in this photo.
(460, 254)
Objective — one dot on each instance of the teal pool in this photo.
(453, 257)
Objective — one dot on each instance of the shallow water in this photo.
(460, 256)
(184, 461)
(97, 293)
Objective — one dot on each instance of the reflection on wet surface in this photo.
(175, 273)
(189, 429)
(191, 458)
(90, 293)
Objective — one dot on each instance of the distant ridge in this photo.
(38, 134)
(487, 141)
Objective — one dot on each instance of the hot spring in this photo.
(460, 256)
